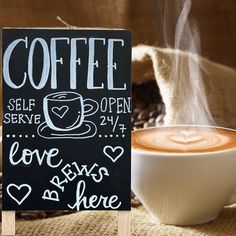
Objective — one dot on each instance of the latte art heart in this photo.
(186, 133)
(184, 139)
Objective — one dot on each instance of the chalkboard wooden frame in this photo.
(8, 222)
(9, 228)
(8, 216)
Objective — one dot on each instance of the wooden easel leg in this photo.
(123, 223)
(8, 222)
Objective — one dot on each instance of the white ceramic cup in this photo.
(184, 189)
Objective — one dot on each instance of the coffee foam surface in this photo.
(183, 139)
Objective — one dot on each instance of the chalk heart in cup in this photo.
(23, 191)
(114, 153)
(60, 111)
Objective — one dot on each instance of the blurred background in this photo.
(216, 20)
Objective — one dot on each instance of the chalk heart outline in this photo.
(113, 150)
(60, 111)
(19, 187)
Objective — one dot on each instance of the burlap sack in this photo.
(218, 81)
(102, 223)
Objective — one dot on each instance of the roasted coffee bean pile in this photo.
(147, 110)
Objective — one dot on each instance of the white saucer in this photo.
(87, 130)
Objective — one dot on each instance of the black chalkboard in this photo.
(66, 119)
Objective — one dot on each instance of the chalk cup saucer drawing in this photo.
(65, 114)
(87, 130)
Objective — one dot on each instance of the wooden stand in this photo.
(123, 223)
(8, 222)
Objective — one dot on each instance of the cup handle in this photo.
(232, 199)
(90, 107)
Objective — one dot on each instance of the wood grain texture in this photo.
(8, 222)
(123, 223)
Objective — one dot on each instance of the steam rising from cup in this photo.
(185, 82)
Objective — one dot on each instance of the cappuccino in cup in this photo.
(185, 139)
(184, 175)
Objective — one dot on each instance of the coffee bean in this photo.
(132, 120)
(148, 125)
(151, 120)
(137, 110)
(41, 214)
(153, 114)
(143, 115)
(132, 194)
(159, 119)
(139, 124)
(135, 202)
(28, 216)
(160, 108)
(57, 213)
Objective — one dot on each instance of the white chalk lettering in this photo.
(70, 172)
(27, 156)
(115, 105)
(6, 62)
(50, 195)
(92, 63)
(84, 169)
(93, 201)
(20, 104)
(56, 181)
(46, 65)
(55, 60)
(51, 61)
(112, 65)
(74, 61)
(99, 177)
(70, 175)
(14, 118)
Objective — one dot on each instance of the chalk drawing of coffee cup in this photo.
(65, 113)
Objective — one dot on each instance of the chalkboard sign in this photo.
(66, 119)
